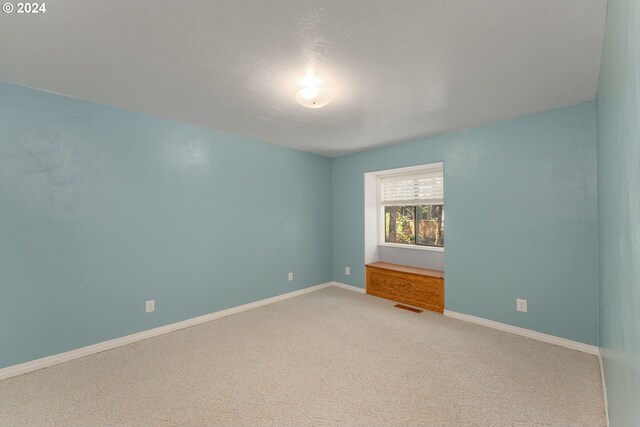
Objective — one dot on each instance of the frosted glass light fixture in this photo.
(313, 93)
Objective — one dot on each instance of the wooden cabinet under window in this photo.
(419, 287)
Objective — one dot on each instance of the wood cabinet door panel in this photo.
(417, 290)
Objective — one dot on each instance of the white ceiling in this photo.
(398, 69)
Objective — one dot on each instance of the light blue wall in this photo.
(520, 202)
(618, 113)
(102, 209)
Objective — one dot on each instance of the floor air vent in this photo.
(404, 307)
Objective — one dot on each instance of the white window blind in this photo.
(424, 188)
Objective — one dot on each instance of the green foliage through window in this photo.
(415, 225)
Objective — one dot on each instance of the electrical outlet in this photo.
(150, 306)
(347, 271)
(291, 277)
(521, 304)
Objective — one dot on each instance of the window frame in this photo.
(381, 208)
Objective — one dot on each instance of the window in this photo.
(414, 208)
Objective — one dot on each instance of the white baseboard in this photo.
(348, 287)
(574, 345)
(604, 389)
(33, 365)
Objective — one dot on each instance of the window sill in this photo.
(413, 247)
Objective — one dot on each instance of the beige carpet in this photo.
(332, 357)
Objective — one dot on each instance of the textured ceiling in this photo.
(398, 69)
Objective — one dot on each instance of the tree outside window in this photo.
(415, 225)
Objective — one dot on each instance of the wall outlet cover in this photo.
(150, 306)
(291, 277)
(521, 305)
(347, 271)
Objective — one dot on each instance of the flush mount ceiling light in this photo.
(313, 93)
